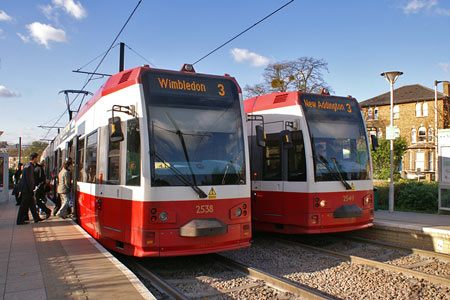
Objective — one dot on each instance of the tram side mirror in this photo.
(116, 130)
(260, 136)
(286, 138)
(374, 140)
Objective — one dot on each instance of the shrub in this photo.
(410, 196)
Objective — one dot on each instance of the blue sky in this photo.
(42, 41)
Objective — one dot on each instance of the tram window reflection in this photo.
(91, 158)
(133, 153)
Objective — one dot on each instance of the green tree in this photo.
(381, 158)
(35, 146)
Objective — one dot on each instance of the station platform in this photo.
(56, 259)
(423, 231)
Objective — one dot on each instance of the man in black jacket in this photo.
(41, 181)
(26, 189)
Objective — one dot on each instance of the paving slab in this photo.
(56, 259)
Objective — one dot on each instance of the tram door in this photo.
(71, 153)
(268, 194)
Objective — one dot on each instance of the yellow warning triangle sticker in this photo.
(352, 186)
(212, 194)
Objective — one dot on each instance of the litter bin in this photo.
(375, 198)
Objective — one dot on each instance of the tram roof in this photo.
(271, 101)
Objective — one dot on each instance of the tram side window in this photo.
(133, 153)
(272, 158)
(296, 158)
(91, 158)
(59, 159)
(80, 158)
(114, 163)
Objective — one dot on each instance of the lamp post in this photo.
(391, 77)
(436, 129)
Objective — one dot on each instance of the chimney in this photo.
(446, 86)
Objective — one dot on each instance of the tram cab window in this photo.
(272, 158)
(80, 158)
(113, 162)
(133, 153)
(296, 158)
(91, 158)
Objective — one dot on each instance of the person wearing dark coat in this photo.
(26, 190)
(41, 181)
(52, 188)
(16, 178)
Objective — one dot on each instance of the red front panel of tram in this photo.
(290, 212)
(135, 227)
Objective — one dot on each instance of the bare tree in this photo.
(303, 74)
(278, 76)
(256, 90)
(307, 72)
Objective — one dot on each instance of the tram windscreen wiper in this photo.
(175, 171)
(337, 175)
(345, 183)
(194, 185)
(180, 176)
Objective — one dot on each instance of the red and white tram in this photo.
(313, 173)
(161, 163)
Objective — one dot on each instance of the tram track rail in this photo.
(168, 287)
(154, 279)
(427, 253)
(369, 262)
(273, 280)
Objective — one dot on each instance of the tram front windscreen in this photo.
(195, 130)
(338, 138)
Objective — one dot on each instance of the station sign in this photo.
(390, 132)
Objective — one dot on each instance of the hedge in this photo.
(410, 196)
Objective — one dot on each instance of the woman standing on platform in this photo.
(64, 188)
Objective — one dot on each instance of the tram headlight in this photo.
(238, 212)
(323, 203)
(163, 216)
(367, 199)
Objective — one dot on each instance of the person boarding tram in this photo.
(41, 182)
(26, 190)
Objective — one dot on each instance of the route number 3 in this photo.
(349, 109)
(221, 89)
(204, 209)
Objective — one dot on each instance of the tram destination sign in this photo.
(318, 106)
(169, 83)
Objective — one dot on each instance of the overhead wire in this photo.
(150, 63)
(85, 65)
(101, 61)
(242, 32)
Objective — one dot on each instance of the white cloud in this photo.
(49, 12)
(4, 92)
(243, 55)
(428, 6)
(443, 11)
(75, 9)
(24, 38)
(43, 33)
(445, 66)
(415, 6)
(4, 16)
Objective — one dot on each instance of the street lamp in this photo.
(391, 77)
(436, 130)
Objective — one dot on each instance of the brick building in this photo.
(415, 120)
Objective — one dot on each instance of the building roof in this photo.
(404, 94)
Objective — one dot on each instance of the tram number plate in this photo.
(204, 209)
